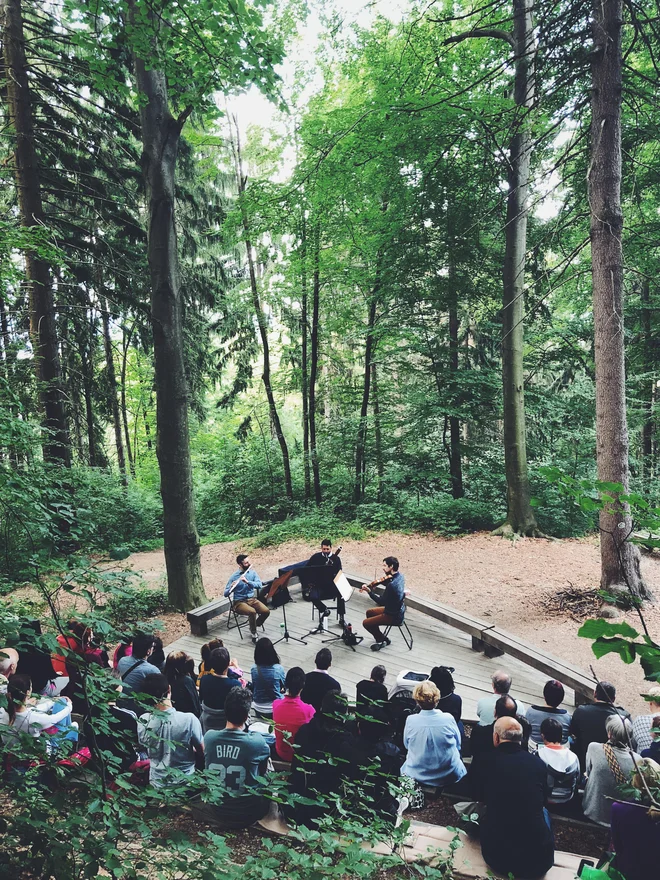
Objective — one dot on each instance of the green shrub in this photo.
(135, 604)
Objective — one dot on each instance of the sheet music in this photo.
(343, 586)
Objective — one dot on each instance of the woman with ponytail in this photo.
(21, 718)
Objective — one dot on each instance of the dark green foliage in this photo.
(134, 605)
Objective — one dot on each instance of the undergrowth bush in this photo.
(134, 604)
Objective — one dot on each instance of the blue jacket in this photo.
(244, 591)
(393, 598)
(433, 742)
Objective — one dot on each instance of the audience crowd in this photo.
(169, 720)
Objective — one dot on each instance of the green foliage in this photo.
(132, 605)
(443, 515)
(621, 638)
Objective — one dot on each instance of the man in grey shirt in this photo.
(133, 670)
(486, 705)
(173, 740)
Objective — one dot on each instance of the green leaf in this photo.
(594, 629)
(625, 650)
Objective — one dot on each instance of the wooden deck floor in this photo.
(435, 644)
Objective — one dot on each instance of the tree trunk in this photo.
(378, 434)
(126, 341)
(304, 357)
(112, 384)
(619, 558)
(455, 468)
(360, 445)
(43, 328)
(160, 142)
(314, 362)
(241, 181)
(520, 517)
(648, 386)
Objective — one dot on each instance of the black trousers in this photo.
(317, 602)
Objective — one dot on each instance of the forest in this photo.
(416, 289)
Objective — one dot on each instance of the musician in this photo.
(393, 609)
(243, 588)
(327, 590)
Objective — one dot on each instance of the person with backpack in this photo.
(134, 669)
(561, 763)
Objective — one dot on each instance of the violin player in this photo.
(392, 610)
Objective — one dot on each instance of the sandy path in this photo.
(489, 577)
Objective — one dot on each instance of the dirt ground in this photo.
(489, 577)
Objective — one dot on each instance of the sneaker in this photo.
(254, 638)
(377, 646)
(404, 803)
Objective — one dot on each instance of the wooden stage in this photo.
(435, 644)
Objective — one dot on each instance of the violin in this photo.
(380, 580)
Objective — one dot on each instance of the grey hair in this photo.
(501, 682)
(512, 733)
(618, 730)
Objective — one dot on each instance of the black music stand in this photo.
(280, 585)
(319, 578)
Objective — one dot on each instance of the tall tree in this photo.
(620, 568)
(43, 327)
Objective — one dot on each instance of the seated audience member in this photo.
(319, 682)
(123, 649)
(113, 731)
(379, 761)
(134, 669)
(158, 654)
(636, 828)
(268, 677)
(8, 666)
(516, 835)
(180, 673)
(562, 764)
(588, 721)
(204, 667)
(653, 750)
(608, 766)
(213, 690)
(553, 694)
(172, 740)
(75, 649)
(486, 706)
(449, 701)
(482, 744)
(22, 719)
(433, 741)
(642, 724)
(371, 692)
(291, 713)
(240, 757)
(322, 760)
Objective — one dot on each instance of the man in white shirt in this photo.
(486, 706)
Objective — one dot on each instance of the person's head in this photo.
(553, 693)
(219, 661)
(655, 727)
(243, 561)
(8, 661)
(501, 682)
(605, 692)
(294, 681)
(619, 730)
(156, 686)
(237, 706)
(120, 651)
(177, 665)
(506, 707)
(652, 697)
(374, 725)
(208, 647)
(334, 708)
(650, 770)
(426, 695)
(81, 633)
(19, 690)
(378, 674)
(390, 564)
(442, 678)
(507, 730)
(143, 645)
(326, 546)
(265, 653)
(551, 731)
(323, 659)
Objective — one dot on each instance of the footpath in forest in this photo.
(492, 578)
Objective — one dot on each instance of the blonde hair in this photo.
(426, 694)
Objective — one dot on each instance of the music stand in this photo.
(280, 583)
